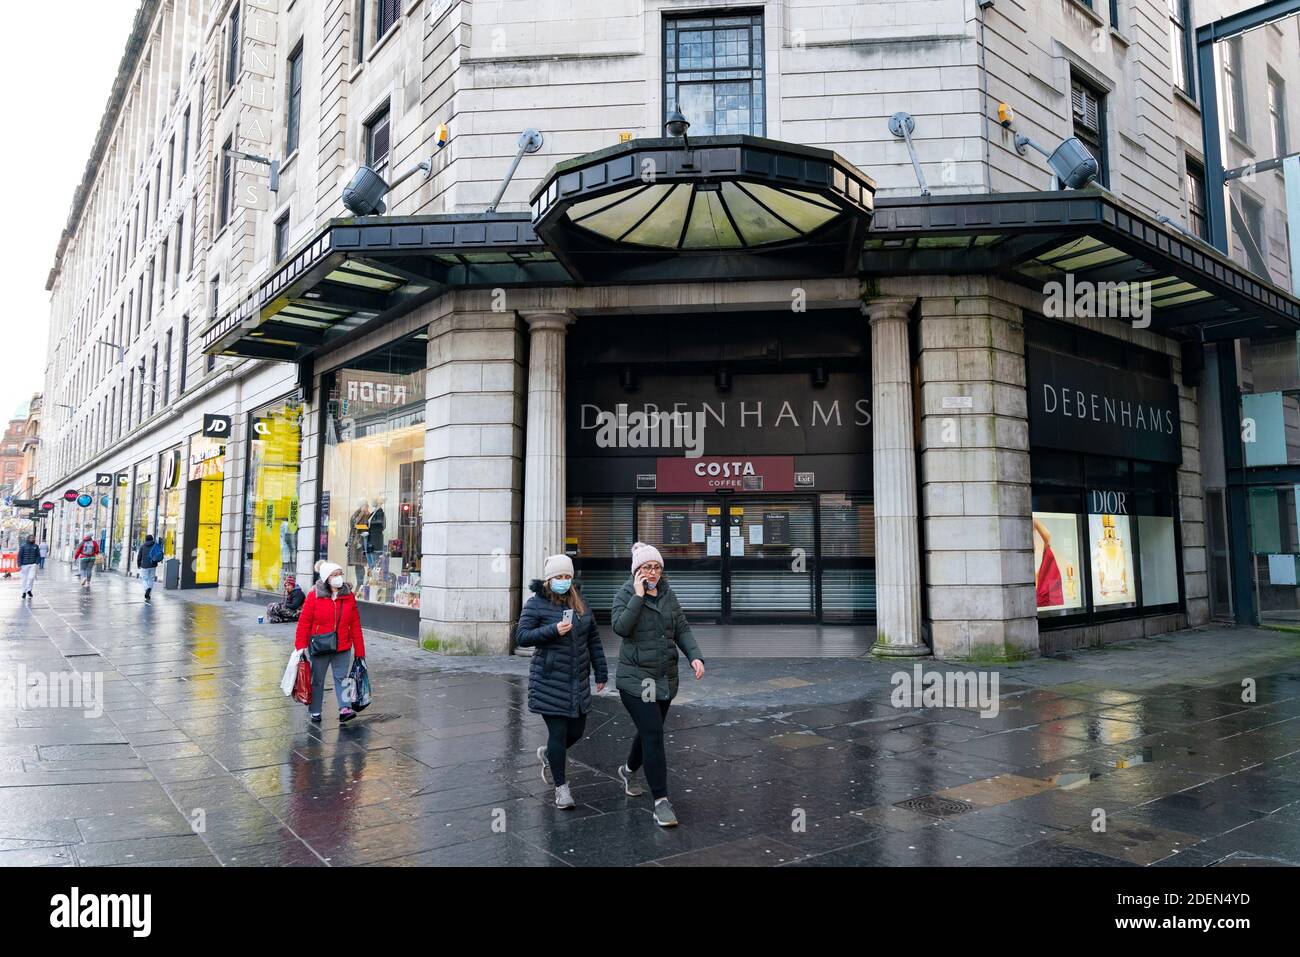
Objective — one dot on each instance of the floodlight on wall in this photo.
(365, 192)
(902, 125)
(530, 141)
(272, 165)
(1073, 165)
(677, 125)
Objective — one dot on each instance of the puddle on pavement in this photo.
(1069, 780)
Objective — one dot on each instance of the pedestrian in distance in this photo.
(278, 612)
(85, 556)
(29, 559)
(148, 558)
(649, 619)
(330, 620)
(45, 553)
(557, 623)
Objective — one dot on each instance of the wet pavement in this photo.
(198, 759)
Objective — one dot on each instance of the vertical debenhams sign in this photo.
(257, 94)
(1089, 407)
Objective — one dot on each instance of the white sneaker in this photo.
(563, 797)
(546, 765)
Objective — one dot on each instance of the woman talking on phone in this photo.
(557, 623)
(649, 619)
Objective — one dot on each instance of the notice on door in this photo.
(776, 528)
(676, 528)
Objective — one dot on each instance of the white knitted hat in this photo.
(326, 569)
(642, 553)
(557, 565)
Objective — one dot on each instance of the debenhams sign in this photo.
(1089, 407)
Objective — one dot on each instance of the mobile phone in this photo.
(568, 616)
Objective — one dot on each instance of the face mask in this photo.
(560, 585)
(336, 581)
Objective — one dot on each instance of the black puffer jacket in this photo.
(559, 680)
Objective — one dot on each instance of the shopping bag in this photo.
(360, 677)
(290, 672)
(302, 683)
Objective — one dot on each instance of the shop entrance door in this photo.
(736, 560)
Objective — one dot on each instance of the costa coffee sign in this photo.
(710, 473)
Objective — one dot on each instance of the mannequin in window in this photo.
(288, 542)
(375, 547)
(357, 541)
(1047, 578)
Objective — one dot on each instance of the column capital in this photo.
(880, 308)
(556, 319)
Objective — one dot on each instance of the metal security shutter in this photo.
(699, 592)
(773, 592)
(848, 592)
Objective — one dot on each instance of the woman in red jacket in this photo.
(330, 606)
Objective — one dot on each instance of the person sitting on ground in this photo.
(288, 610)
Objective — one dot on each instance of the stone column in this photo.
(544, 437)
(975, 473)
(473, 481)
(898, 564)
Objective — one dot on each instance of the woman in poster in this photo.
(1047, 577)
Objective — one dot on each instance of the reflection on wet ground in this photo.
(197, 758)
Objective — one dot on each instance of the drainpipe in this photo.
(984, 98)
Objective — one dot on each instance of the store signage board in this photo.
(104, 479)
(760, 473)
(216, 426)
(257, 94)
(1085, 406)
(958, 402)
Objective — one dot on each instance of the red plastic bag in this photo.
(302, 683)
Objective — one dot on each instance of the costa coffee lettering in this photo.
(724, 469)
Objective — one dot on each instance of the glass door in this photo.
(690, 534)
(770, 559)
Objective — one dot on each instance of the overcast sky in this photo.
(56, 83)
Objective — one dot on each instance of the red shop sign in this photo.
(759, 473)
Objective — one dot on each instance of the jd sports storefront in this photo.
(740, 446)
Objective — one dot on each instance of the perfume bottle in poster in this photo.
(1112, 560)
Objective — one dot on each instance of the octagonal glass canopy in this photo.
(734, 207)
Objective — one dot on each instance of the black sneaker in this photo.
(147, 594)
(346, 714)
(315, 719)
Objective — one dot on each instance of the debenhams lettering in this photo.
(1077, 404)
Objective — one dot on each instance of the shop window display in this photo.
(271, 501)
(373, 473)
(169, 500)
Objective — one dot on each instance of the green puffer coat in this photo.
(652, 629)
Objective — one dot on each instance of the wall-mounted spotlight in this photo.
(723, 379)
(627, 378)
(677, 125)
(365, 192)
(820, 376)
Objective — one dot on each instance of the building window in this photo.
(232, 49)
(227, 185)
(359, 19)
(282, 236)
(295, 101)
(1089, 110)
(1254, 215)
(180, 241)
(388, 12)
(271, 497)
(167, 367)
(377, 140)
(214, 299)
(153, 379)
(182, 360)
(373, 473)
(713, 73)
(171, 165)
(1277, 113)
(1195, 180)
(185, 143)
(1180, 19)
(1234, 88)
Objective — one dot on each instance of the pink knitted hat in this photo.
(642, 553)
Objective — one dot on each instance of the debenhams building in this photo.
(904, 424)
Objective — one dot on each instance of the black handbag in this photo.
(327, 643)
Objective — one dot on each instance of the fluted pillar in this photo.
(898, 563)
(544, 443)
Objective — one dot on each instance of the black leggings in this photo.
(562, 734)
(649, 718)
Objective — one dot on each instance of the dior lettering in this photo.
(1108, 503)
